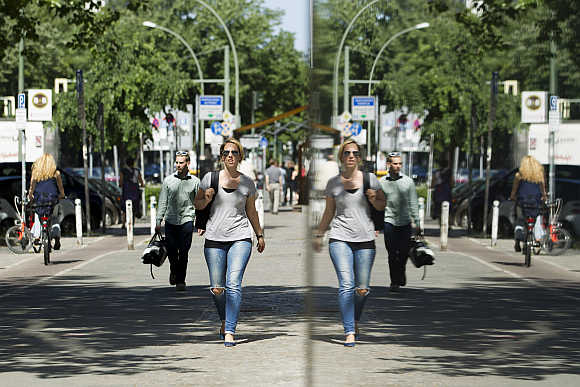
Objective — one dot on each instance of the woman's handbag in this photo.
(156, 252)
(202, 216)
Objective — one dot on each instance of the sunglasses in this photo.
(226, 153)
(347, 153)
(181, 153)
(395, 154)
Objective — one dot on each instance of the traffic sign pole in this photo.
(553, 124)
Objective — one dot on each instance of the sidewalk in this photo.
(570, 260)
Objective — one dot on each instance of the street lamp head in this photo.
(149, 24)
(422, 25)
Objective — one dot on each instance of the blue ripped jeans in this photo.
(353, 269)
(226, 267)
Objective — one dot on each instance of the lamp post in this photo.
(236, 67)
(417, 27)
(153, 25)
(337, 60)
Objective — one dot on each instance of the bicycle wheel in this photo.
(17, 240)
(46, 247)
(528, 247)
(559, 242)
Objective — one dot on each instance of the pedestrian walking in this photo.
(529, 189)
(274, 185)
(352, 234)
(45, 189)
(294, 176)
(442, 190)
(401, 217)
(131, 181)
(228, 236)
(176, 207)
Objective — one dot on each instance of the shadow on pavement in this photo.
(69, 327)
(511, 329)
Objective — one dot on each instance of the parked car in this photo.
(152, 173)
(113, 195)
(109, 173)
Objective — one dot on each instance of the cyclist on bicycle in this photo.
(529, 191)
(45, 190)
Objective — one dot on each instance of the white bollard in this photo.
(444, 224)
(260, 207)
(79, 221)
(494, 223)
(422, 213)
(153, 213)
(129, 220)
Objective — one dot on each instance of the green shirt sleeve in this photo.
(162, 206)
(413, 205)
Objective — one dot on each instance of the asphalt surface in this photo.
(95, 317)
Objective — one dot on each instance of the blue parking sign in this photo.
(21, 101)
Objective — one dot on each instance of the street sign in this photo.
(554, 114)
(21, 115)
(250, 141)
(216, 127)
(40, 105)
(211, 107)
(553, 103)
(263, 142)
(363, 108)
(534, 106)
(345, 117)
(21, 101)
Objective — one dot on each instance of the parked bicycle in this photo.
(556, 239)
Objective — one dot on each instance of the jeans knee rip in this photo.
(217, 291)
(362, 292)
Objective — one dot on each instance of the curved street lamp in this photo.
(417, 27)
(337, 60)
(153, 25)
(236, 67)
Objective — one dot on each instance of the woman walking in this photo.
(46, 189)
(352, 234)
(528, 189)
(228, 237)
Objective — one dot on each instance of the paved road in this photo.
(96, 318)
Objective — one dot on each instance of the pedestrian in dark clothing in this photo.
(176, 207)
(131, 181)
(401, 216)
(442, 190)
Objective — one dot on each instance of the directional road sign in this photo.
(216, 127)
(263, 142)
(211, 107)
(363, 108)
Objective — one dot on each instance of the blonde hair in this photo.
(232, 140)
(44, 168)
(531, 170)
(344, 144)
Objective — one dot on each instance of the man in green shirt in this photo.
(176, 207)
(401, 216)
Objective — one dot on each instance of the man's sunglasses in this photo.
(226, 153)
(347, 153)
(181, 153)
(395, 154)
